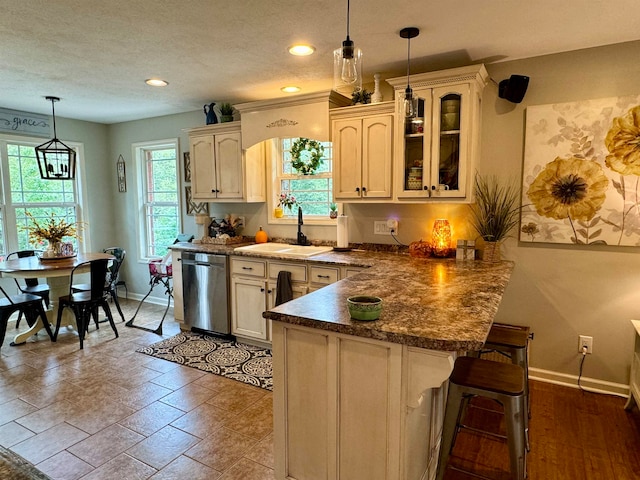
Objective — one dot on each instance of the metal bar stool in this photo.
(512, 341)
(503, 382)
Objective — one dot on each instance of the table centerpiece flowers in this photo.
(53, 231)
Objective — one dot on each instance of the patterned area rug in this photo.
(14, 467)
(238, 361)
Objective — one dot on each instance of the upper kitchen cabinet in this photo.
(221, 170)
(437, 149)
(362, 138)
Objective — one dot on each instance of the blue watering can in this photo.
(211, 116)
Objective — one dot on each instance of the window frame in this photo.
(138, 150)
(8, 209)
(275, 157)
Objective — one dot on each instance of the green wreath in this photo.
(310, 163)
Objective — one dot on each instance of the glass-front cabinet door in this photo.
(416, 145)
(449, 153)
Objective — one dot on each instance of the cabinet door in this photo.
(248, 301)
(178, 306)
(414, 148)
(228, 155)
(203, 177)
(347, 158)
(451, 119)
(377, 156)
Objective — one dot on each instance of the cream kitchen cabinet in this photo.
(362, 138)
(220, 170)
(178, 306)
(254, 290)
(437, 149)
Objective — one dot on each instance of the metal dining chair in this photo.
(84, 302)
(110, 286)
(31, 285)
(26, 304)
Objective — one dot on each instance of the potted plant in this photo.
(333, 210)
(226, 112)
(360, 96)
(494, 214)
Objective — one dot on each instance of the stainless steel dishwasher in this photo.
(205, 289)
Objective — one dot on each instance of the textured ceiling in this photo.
(96, 55)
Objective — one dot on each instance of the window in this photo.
(27, 196)
(160, 207)
(314, 193)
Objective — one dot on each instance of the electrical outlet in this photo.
(392, 224)
(585, 342)
(381, 228)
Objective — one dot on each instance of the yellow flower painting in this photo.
(581, 181)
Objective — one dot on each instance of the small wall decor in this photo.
(122, 174)
(581, 179)
(187, 166)
(194, 208)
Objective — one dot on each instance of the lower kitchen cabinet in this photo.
(376, 409)
(249, 299)
(178, 306)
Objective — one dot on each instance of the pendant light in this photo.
(347, 64)
(410, 104)
(56, 160)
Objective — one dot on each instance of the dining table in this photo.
(57, 272)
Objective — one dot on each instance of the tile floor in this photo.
(107, 412)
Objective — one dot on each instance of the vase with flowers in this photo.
(53, 231)
(287, 201)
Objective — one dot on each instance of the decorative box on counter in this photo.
(466, 250)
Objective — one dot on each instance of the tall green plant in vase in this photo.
(495, 213)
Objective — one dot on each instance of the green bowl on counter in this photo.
(364, 307)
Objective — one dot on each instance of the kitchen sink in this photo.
(284, 249)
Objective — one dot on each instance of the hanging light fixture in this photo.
(56, 160)
(347, 64)
(410, 104)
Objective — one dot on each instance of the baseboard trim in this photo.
(589, 384)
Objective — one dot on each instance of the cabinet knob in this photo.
(433, 187)
(425, 188)
(269, 291)
(364, 189)
(262, 290)
(357, 189)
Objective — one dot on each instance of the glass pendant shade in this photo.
(347, 71)
(410, 106)
(56, 161)
(347, 65)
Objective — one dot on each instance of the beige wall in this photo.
(560, 291)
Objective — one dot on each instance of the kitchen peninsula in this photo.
(365, 400)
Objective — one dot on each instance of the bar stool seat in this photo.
(502, 382)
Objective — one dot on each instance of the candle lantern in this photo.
(441, 238)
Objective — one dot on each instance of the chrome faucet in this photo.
(302, 238)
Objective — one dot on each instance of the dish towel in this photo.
(285, 292)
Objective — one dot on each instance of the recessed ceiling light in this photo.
(301, 50)
(156, 82)
(290, 89)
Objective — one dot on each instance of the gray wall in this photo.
(560, 291)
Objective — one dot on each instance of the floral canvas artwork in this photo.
(581, 178)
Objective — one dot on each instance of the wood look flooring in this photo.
(108, 413)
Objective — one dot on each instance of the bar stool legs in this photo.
(502, 382)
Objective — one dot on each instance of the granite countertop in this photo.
(440, 304)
